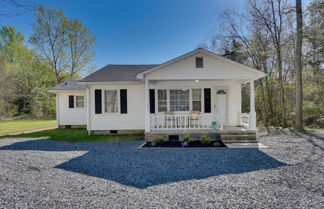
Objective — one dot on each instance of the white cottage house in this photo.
(185, 94)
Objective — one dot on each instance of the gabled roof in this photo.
(203, 51)
(68, 85)
(111, 73)
(117, 73)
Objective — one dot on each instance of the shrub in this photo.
(153, 144)
(158, 140)
(190, 140)
(187, 139)
(206, 140)
(217, 144)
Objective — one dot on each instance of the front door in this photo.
(221, 106)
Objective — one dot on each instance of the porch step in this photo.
(242, 138)
(238, 132)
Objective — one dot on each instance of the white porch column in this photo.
(147, 107)
(252, 120)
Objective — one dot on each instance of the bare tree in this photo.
(298, 67)
(14, 7)
(254, 42)
(274, 15)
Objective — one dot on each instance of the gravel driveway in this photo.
(45, 174)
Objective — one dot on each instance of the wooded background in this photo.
(265, 37)
(273, 36)
(63, 49)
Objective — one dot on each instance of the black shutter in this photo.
(123, 101)
(207, 95)
(98, 101)
(152, 101)
(71, 101)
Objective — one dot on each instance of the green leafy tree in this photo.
(65, 44)
(24, 79)
(313, 73)
(49, 38)
(80, 45)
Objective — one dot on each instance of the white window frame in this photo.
(190, 98)
(189, 92)
(103, 97)
(157, 100)
(201, 99)
(75, 101)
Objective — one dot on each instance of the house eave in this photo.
(258, 73)
(85, 83)
(64, 91)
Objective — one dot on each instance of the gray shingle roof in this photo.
(117, 73)
(68, 85)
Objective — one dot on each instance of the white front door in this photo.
(221, 105)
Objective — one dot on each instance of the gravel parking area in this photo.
(288, 173)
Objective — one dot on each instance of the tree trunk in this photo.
(264, 105)
(268, 91)
(298, 67)
(281, 89)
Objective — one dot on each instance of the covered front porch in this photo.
(197, 105)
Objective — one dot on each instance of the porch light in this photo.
(196, 81)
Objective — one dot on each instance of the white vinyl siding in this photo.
(70, 116)
(133, 120)
(213, 68)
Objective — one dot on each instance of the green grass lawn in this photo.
(76, 135)
(7, 127)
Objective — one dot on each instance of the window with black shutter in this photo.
(207, 96)
(152, 101)
(98, 101)
(123, 101)
(71, 101)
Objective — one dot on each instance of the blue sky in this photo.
(138, 31)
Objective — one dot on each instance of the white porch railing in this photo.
(245, 119)
(184, 122)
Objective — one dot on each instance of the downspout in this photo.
(88, 109)
(57, 110)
